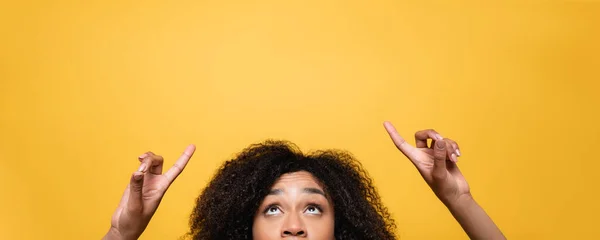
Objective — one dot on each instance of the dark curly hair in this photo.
(226, 207)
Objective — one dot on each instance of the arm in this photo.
(112, 234)
(437, 165)
(142, 196)
(473, 219)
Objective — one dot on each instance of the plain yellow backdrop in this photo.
(87, 86)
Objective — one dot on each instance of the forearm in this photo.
(112, 234)
(115, 234)
(474, 220)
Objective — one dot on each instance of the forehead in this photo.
(300, 179)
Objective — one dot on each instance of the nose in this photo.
(293, 227)
(294, 232)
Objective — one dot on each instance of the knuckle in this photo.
(158, 158)
(440, 155)
(399, 142)
(177, 167)
(438, 175)
(424, 131)
(452, 142)
(136, 189)
(135, 209)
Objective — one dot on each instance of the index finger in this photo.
(180, 164)
(400, 143)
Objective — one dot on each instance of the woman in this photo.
(271, 190)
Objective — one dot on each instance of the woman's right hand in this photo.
(143, 195)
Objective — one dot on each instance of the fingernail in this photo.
(142, 167)
(143, 156)
(457, 152)
(440, 145)
(453, 157)
(439, 137)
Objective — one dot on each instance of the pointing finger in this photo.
(399, 141)
(180, 164)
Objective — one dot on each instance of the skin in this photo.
(437, 165)
(291, 216)
(296, 207)
(143, 194)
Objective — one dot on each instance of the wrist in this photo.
(473, 219)
(112, 234)
(461, 202)
(115, 234)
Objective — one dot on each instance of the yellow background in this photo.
(87, 86)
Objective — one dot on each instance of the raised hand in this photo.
(436, 163)
(142, 196)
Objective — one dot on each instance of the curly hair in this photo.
(226, 207)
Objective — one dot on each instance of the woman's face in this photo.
(296, 207)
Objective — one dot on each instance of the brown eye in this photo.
(312, 209)
(272, 210)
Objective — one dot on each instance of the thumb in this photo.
(439, 157)
(135, 204)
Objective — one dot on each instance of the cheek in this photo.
(265, 230)
(321, 229)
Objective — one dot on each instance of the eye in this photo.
(272, 210)
(313, 209)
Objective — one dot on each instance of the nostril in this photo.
(288, 233)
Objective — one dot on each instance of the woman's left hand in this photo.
(436, 163)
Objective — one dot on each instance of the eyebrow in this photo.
(278, 191)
